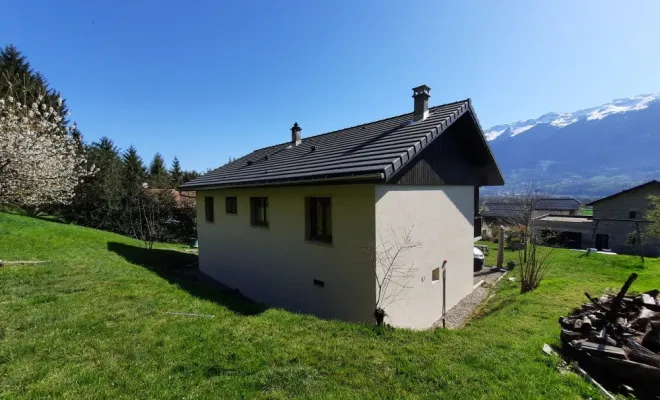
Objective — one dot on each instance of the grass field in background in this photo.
(587, 212)
(92, 323)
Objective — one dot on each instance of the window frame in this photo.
(259, 202)
(209, 209)
(312, 204)
(231, 205)
(632, 214)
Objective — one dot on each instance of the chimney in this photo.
(421, 96)
(295, 135)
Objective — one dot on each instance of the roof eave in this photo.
(621, 192)
(475, 119)
(355, 178)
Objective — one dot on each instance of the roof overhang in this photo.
(498, 179)
(314, 180)
(623, 192)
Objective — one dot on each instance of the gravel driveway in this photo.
(458, 315)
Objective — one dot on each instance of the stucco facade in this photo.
(440, 220)
(278, 266)
(619, 207)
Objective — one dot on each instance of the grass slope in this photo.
(91, 324)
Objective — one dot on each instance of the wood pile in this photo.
(617, 338)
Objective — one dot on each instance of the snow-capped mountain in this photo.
(561, 120)
(592, 152)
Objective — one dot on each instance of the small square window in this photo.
(318, 218)
(208, 209)
(231, 205)
(259, 211)
(632, 214)
(435, 275)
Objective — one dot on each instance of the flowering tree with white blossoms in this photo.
(40, 161)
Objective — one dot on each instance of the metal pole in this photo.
(500, 248)
(444, 293)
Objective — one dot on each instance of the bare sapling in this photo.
(393, 275)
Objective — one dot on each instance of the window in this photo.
(632, 214)
(435, 275)
(319, 219)
(231, 205)
(208, 209)
(259, 211)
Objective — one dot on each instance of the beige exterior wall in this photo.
(619, 207)
(277, 266)
(441, 220)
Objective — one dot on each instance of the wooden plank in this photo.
(602, 349)
(612, 315)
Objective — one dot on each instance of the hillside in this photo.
(592, 152)
(93, 323)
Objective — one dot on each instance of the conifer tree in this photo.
(134, 171)
(158, 177)
(176, 173)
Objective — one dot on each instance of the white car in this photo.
(478, 259)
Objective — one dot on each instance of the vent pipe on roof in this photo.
(296, 137)
(421, 96)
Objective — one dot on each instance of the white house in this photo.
(303, 224)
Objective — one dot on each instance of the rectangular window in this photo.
(318, 218)
(632, 214)
(259, 211)
(435, 275)
(208, 209)
(231, 205)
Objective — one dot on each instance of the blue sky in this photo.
(205, 80)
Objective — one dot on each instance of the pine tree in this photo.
(19, 80)
(176, 173)
(190, 175)
(157, 166)
(158, 176)
(134, 171)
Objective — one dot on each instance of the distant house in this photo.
(616, 214)
(294, 224)
(615, 221)
(181, 198)
(500, 211)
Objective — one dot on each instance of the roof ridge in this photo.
(363, 124)
(381, 120)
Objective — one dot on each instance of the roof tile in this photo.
(380, 147)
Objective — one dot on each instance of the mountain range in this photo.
(592, 152)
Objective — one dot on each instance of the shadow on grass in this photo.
(181, 268)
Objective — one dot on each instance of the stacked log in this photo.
(618, 338)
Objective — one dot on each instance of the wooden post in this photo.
(616, 303)
(593, 238)
(639, 239)
(500, 248)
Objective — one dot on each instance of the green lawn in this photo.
(92, 323)
(587, 211)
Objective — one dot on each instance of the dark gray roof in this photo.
(653, 182)
(514, 212)
(558, 204)
(373, 151)
(512, 208)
